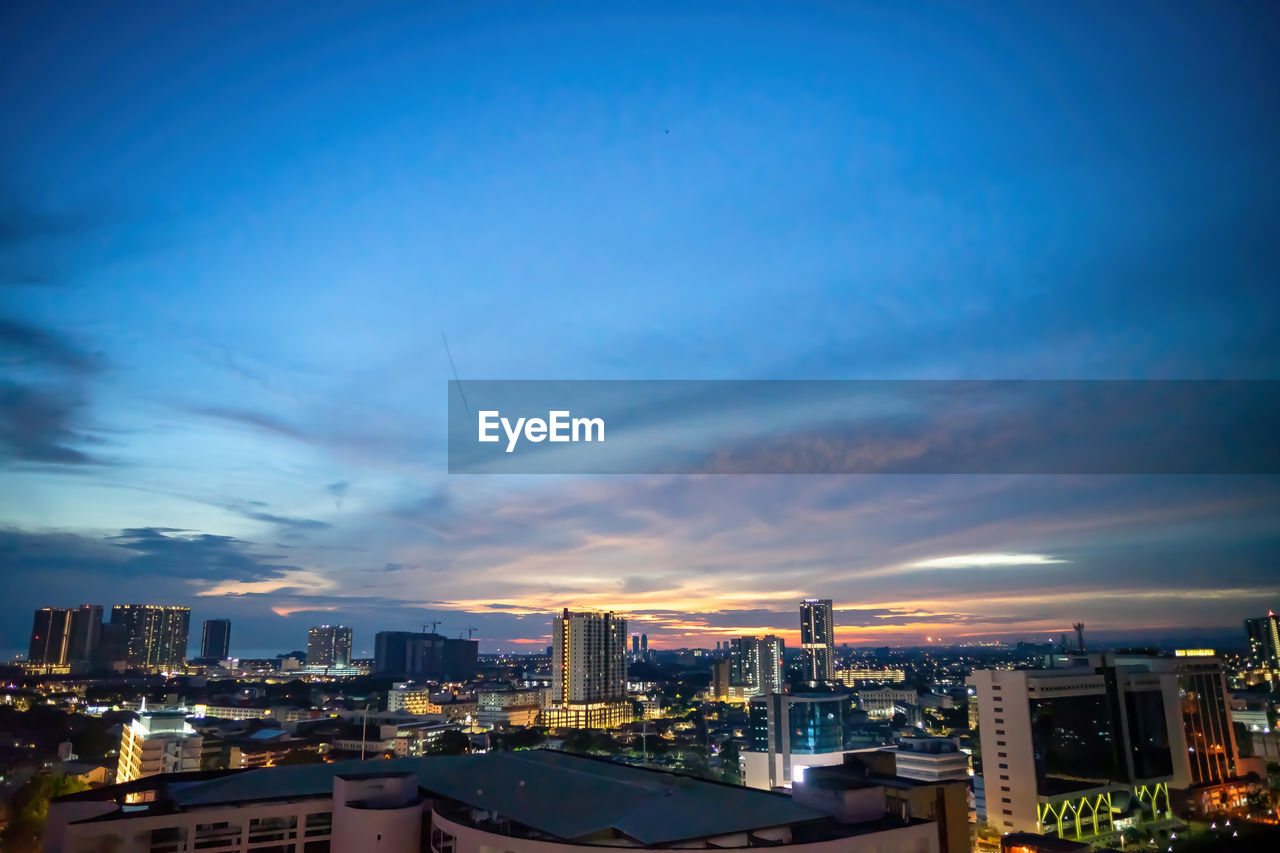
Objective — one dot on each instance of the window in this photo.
(320, 823)
(316, 846)
(273, 829)
(1004, 788)
(441, 842)
(1001, 743)
(212, 836)
(1002, 754)
(1007, 823)
(1009, 812)
(999, 721)
(999, 731)
(1004, 766)
(168, 840)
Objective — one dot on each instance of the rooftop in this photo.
(532, 788)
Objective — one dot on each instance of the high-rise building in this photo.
(62, 636)
(86, 632)
(158, 743)
(1263, 634)
(588, 672)
(424, 657)
(635, 646)
(818, 639)
(329, 645)
(215, 643)
(755, 664)
(50, 636)
(644, 647)
(154, 636)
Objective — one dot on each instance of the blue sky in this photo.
(231, 237)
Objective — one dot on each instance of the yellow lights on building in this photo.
(849, 677)
(1194, 653)
(594, 715)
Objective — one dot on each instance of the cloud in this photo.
(25, 344)
(196, 556)
(40, 425)
(339, 491)
(980, 561)
(257, 420)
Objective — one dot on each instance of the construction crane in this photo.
(434, 623)
(470, 631)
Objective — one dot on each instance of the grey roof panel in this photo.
(563, 795)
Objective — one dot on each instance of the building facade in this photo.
(818, 639)
(534, 801)
(1263, 637)
(1059, 744)
(588, 672)
(790, 732)
(158, 743)
(154, 637)
(329, 646)
(215, 642)
(424, 656)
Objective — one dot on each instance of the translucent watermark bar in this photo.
(863, 427)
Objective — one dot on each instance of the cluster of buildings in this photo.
(137, 636)
(1075, 746)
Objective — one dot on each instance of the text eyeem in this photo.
(558, 426)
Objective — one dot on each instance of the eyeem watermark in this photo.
(558, 426)
(927, 427)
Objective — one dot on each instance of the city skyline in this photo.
(229, 267)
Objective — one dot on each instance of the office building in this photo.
(1263, 635)
(154, 636)
(588, 672)
(790, 732)
(644, 647)
(329, 646)
(424, 657)
(818, 639)
(531, 800)
(215, 642)
(635, 646)
(1063, 747)
(158, 743)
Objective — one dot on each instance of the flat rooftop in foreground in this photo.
(558, 794)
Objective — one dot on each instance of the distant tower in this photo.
(644, 647)
(1079, 626)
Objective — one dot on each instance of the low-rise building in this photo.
(536, 801)
(156, 743)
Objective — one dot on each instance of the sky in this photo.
(234, 238)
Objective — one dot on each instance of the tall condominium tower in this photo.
(755, 665)
(329, 645)
(50, 636)
(1263, 634)
(589, 671)
(215, 644)
(62, 636)
(818, 639)
(154, 636)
